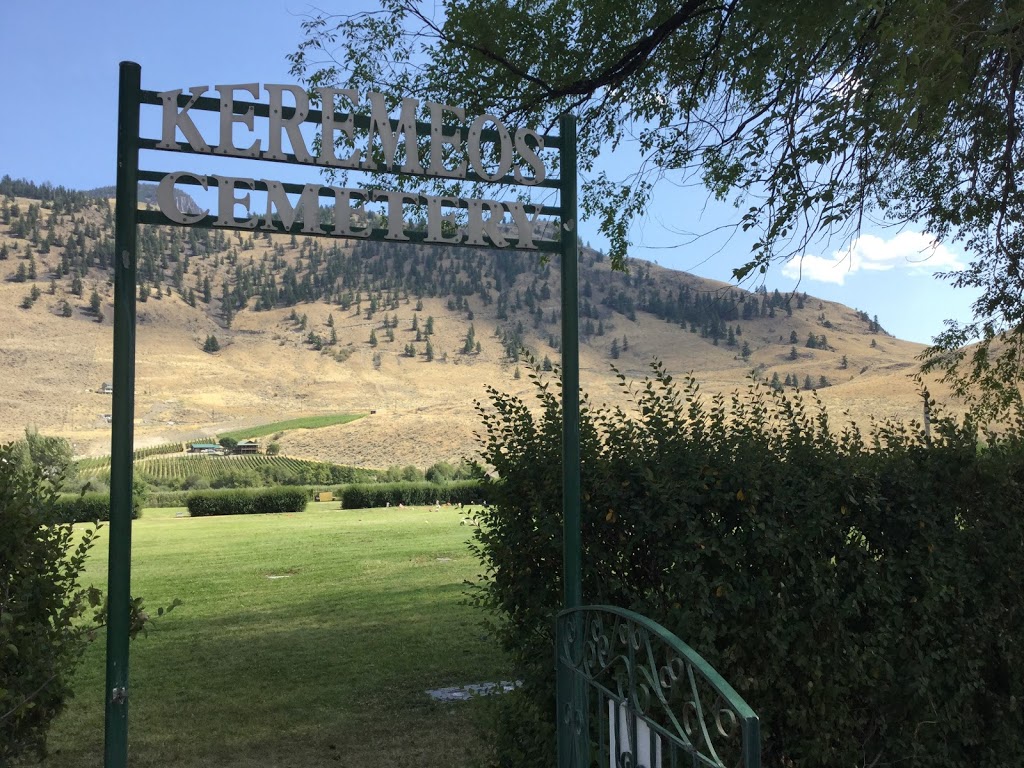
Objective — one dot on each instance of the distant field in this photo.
(308, 422)
(100, 466)
(171, 469)
(304, 640)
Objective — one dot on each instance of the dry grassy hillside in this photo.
(266, 369)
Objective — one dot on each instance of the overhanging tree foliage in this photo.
(813, 118)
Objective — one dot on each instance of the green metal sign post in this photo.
(428, 146)
(122, 417)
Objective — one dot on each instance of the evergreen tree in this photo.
(373, 337)
(94, 302)
(745, 351)
(808, 384)
(793, 353)
(614, 351)
(429, 352)
(211, 344)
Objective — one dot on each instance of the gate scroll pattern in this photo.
(635, 696)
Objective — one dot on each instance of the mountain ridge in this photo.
(305, 326)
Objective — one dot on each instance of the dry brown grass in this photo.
(424, 411)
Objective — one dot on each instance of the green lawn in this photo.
(326, 667)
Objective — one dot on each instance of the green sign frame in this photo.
(127, 218)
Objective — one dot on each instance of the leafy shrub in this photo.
(236, 477)
(169, 498)
(863, 595)
(406, 474)
(443, 472)
(41, 638)
(195, 483)
(246, 502)
(370, 495)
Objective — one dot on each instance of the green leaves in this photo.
(41, 604)
(823, 114)
(864, 600)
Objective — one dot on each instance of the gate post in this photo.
(571, 714)
(115, 751)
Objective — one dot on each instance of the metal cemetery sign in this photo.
(357, 133)
(372, 143)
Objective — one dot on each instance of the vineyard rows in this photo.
(180, 467)
(211, 466)
(100, 464)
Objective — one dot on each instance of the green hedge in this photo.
(246, 502)
(169, 498)
(88, 508)
(359, 496)
(863, 593)
(370, 495)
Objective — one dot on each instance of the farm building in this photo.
(205, 448)
(248, 446)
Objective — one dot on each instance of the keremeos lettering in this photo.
(382, 147)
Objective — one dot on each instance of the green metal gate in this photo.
(633, 695)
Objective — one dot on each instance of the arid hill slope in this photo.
(55, 353)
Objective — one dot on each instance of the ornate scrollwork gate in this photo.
(633, 695)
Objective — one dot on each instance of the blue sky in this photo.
(59, 116)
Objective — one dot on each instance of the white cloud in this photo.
(912, 251)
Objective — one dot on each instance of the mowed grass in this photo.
(307, 422)
(328, 666)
